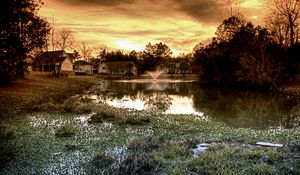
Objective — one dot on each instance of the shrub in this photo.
(65, 131)
(101, 161)
(137, 121)
(71, 146)
(108, 113)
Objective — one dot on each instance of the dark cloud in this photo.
(178, 41)
(208, 11)
(96, 2)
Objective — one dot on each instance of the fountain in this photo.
(154, 74)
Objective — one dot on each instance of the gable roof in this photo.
(56, 56)
(81, 62)
(115, 65)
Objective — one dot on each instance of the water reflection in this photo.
(249, 109)
(235, 108)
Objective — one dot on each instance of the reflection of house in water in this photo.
(117, 68)
(82, 67)
(47, 62)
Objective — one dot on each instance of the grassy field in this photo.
(55, 132)
(23, 95)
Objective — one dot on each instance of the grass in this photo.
(162, 146)
(40, 93)
(75, 136)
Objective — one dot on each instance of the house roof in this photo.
(56, 56)
(81, 62)
(114, 65)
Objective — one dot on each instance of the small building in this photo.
(117, 68)
(82, 67)
(49, 61)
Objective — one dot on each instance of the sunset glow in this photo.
(128, 46)
(131, 24)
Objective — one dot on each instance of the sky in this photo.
(131, 24)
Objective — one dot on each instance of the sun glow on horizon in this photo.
(128, 45)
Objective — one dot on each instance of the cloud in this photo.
(206, 11)
(96, 2)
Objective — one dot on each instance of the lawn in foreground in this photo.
(143, 143)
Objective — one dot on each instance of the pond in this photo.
(235, 108)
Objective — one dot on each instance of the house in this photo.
(175, 67)
(82, 67)
(49, 61)
(117, 68)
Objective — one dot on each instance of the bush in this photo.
(101, 161)
(65, 131)
(108, 113)
(137, 121)
(71, 146)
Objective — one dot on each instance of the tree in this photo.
(277, 25)
(232, 7)
(65, 39)
(228, 28)
(259, 57)
(153, 54)
(289, 10)
(86, 51)
(21, 33)
(59, 41)
(249, 57)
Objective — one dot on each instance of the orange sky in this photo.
(131, 24)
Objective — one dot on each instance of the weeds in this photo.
(70, 146)
(8, 149)
(101, 164)
(65, 131)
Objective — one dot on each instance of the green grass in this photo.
(42, 93)
(162, 146)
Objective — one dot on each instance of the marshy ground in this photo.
(47, 127)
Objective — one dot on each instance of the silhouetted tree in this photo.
(228, 28)
(153, 54)
(233, 7)
(278, 26)
(86, 51)
(64, 39)
(292, 61)
(289, 10)
(21, 33)
(248, 56)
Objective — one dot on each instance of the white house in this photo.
(82, 67)
(117, 68)
(48, 61)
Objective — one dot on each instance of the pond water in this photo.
(235, 108)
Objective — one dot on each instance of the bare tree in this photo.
(289, 10)
(64, 39)
(233, 7)
(278, 26)
(86, 51)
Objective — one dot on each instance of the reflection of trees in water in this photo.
(158, 102)
(248, 109)
(149, 92)
(135, 90)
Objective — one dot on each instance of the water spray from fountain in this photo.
(154, 74)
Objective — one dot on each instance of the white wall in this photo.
(67, 65)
